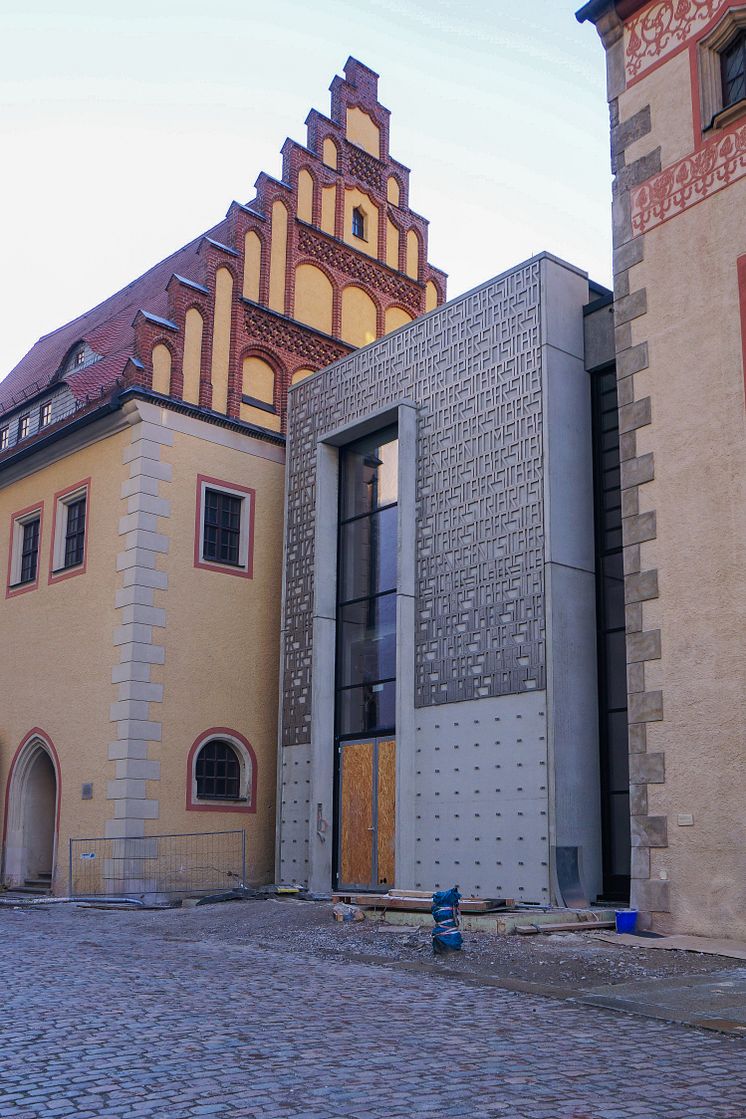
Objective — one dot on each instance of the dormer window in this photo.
(4, 438)
(79, 357)
(733, 70)
(45, 414)
(358, 223)
(23, 427)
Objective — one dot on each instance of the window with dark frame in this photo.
(45, 414)
(358, 223)
(75, 533)
(29, 551)
(23, 426)
(733, 70)
(4, 438)
(218, 771)
(221, 534)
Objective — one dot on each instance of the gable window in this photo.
(358, 223)
(221, 772)
(45, 414)
(69, 531)
(722, 71)
(224, 526)
(23, 427)
(4, 438)
(25, 542)
(733, 70)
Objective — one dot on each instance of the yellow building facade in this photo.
(142, 504)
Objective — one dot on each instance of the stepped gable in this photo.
(283, 286)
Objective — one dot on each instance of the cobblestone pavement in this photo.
(100, 1021)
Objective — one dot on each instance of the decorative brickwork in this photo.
(152, 311)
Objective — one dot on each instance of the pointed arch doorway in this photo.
(31, 812)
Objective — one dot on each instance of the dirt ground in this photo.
(562, 960)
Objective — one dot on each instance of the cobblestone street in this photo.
(105, 1017)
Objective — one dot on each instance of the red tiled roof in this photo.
(107, 329)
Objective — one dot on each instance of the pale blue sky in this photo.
(126, 132)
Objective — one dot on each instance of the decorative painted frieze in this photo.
(720, 162)
(664, 28)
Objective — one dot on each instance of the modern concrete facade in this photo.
(496, 720)
(678, 138)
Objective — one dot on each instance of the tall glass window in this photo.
(366, 586)
(612, 664)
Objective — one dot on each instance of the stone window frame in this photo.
(247, 798)
(714, 114)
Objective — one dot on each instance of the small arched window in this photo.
(218, 771)
(221, 772)
(358, 223)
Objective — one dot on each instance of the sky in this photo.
(127, 130)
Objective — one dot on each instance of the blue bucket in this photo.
(626, 920)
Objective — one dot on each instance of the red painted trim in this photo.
(85, 483)
(12, 592)
(742, 301)
(689, 44)
(35, 732)
(217, 732)
(241, 572)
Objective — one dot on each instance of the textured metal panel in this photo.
(473, 369)
(481, 801)
(295, 797)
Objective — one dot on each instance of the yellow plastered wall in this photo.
(193, 330)
(431, 296)
(278, 257)
(328, 208)
(221, 339)
(252, 265)
(392, 190)
(395, 317)
(305, 195)
(356, 198)
(358, 317)
(363, 131)
(300, 374)
(330, 156)
(313, 297)
(161, 369)
(231, 682)
(413, 254)
(46, 626)
(392, 245)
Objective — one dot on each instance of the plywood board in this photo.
(356, 813)
(386, 811)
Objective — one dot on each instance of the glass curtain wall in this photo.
(366, 586)
(612, 667)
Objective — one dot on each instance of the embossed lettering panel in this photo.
(473, 369)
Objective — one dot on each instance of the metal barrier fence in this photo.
(193, 863)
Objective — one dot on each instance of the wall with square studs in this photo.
(481, 801)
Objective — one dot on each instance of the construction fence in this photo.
(157, 865)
